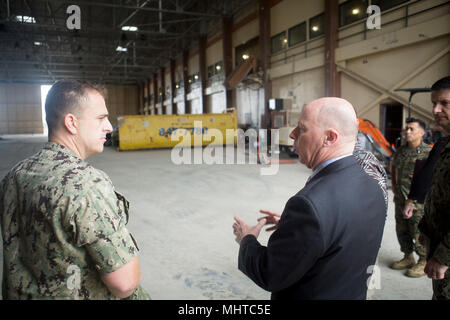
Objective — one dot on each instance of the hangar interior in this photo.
(193, 57)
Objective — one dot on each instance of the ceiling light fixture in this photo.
(130, 28)
(121, 49)
(25, 19)
(245, 56)
(355, 11)
(315, 28)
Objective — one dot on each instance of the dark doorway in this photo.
(391, 121)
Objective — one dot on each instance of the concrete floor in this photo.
(181, 216)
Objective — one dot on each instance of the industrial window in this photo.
(387, 4)
(218, 68)
(193, 78)
(215, 69)
(160, 92)
(247, 50)
(316, 26)
(210, 71)
(351, 11)
(297, 34)
(279, 42)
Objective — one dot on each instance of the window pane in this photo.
(387, 4)
(297, 34)
(316, 26)
(351, 11)
(218, 67)
(247, 50)
(210, 71)
(279, 42)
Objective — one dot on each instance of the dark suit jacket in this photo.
(328, 236)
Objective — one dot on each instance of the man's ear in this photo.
(331, 137)
(71, 123)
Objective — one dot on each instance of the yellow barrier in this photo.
(166, 131)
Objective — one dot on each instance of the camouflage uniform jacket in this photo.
(404, 161)
(435, 223)
(63, 226)
(373, 167)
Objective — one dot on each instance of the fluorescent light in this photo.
(355, 11)
(315, 28)
(25, 19)
(37, 43)
(245, 56)
(130, 28)
(121, 49)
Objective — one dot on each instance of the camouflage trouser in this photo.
(407, 229)
(441, 288)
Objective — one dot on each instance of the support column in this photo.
(187, 110)
(332, 77)
(172, 86)
(149, 102)
(155, 92)
(141, 97)
(163, 89)
(227, 25)
(264, 47)
(202, 71)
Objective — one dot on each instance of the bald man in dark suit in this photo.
(327, 239)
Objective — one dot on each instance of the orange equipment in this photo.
(368, 128)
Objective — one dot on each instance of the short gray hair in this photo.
(66, 96)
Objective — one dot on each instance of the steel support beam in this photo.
(227, 51)
(163, 89)
(178, 12)
(172, 86)
(187, 108)
(332, 78)
(202, 71)
(264, 47)
(155, 91)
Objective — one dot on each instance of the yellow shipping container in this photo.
(167, 131)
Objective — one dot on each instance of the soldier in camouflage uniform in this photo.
(63, 224)
(403, 163)
(435, 225)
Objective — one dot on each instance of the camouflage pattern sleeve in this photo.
(394, 160)
(98, 224)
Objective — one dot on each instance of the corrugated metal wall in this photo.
(21, 109)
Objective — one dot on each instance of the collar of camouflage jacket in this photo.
(60, 148)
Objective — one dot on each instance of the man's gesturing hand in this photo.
(241, 229)
(435, 270)
(271, 218)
